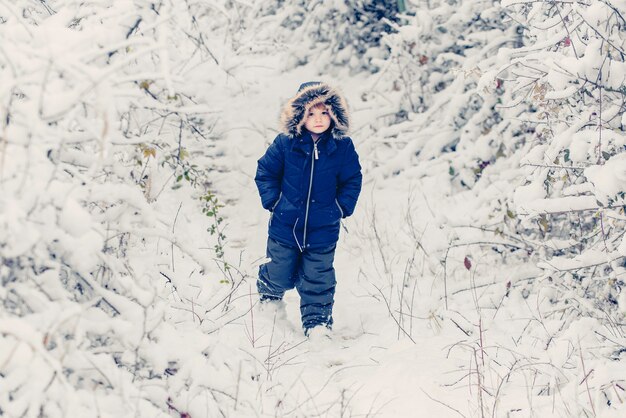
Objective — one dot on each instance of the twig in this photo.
(608, 339)
(392, 315)
(269, 349)
(459, 327)
(480, 387)
(445, 277)
(444, 404)
(569, 35)
(312, 396)
(252, 316)
(582, 361)
(559, 167)
(502, 380)
(407, 270)
(379, 242)
(134, 27)
(173, 229)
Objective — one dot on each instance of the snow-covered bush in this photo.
(103, 144)
(332, 34)
(508, 119)
(440, 43)
(520, 105)
(571, 73)
(447, 129)
(436, 57)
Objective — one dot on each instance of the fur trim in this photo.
(292, 117)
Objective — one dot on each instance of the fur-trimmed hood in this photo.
(310, 94)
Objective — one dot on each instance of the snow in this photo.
(478, 276)
(569, 203)
(555, 95)
(609, 179)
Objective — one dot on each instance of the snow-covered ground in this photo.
(489, 352)
(369, 367)
(116, 303)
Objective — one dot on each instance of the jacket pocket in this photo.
(280, 196)
(284, 211)
(324, 216)
(339, 207)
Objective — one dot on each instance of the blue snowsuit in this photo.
(308, 188)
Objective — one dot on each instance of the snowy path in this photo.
(417, 358)
(368, 369)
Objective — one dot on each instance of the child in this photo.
(309, 179)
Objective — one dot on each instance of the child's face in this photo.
(317, 120)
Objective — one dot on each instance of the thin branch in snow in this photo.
(393, 316)
(582, 361)
(443, 403)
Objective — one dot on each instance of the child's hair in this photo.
(319, 106)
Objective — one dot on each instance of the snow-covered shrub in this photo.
(431, 79)
(509, 122)
(103, 144)
(527, 95)
(571, 73)
(441, 42)
(337, 33)
(447, 129)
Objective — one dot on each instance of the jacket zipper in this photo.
(314, 157)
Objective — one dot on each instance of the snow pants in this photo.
(311, 272)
